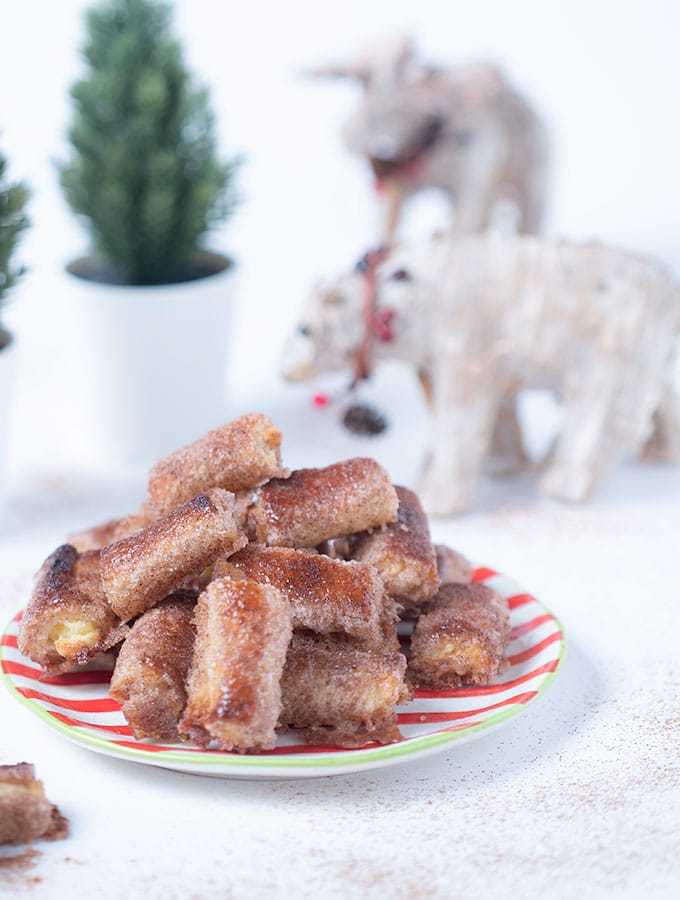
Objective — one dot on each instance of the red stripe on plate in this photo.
(67, 720)
(85, 676)
(277, 751)
(419, 718)
(9, 640)
(481, 574)
(153, 747)
(19, 616)
(536, 649)
(519, 600)
(526, 627)
(105, 704)
(460, 727)
(485, 689)
(12, 668)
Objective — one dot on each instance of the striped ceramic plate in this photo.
(78, 706)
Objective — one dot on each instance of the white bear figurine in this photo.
(481, 317)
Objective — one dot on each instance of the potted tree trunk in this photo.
(152, 307)
(13, 221)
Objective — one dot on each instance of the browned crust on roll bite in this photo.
(149, 678)
(452, 566)
(140, 570)
(341, 695)
(326, 595)
(68, 619)
(460, 639)
(403, 553)
(314, 505)
(234, 694)
(238, 456)
(25, 813)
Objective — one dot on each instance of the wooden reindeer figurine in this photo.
(462, 130)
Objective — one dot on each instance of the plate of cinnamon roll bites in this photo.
(253, 621)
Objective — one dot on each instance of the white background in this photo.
(579, 796)
(606, 77)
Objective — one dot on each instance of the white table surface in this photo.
(578, 795)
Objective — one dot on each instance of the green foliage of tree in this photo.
(145, 172)
(13, 221)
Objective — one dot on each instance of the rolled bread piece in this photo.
(140, 570)
(403, 553)
(149, 678)
(326, 595)
(452, 566)
(234, 693)
(460, 639)
(340, 695)
(25, 813)
(238, 456)
(68, 619)
(315, 505)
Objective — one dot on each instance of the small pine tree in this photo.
(145, 172)
(13, 221)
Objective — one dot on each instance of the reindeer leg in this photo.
(471, 213)
(663, 445)
(531, 210)
(507, 447)
(464, 409)
(478, 191)
(592, 438)
(426, 384)
(394, 194)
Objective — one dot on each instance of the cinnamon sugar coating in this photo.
(460, 639)
(326, 595)
(149, 678)
(403, 553)
(234, 694)
(25, 813)
(341, 695)
(313, 505)
(452, 566)
(68, 619)
(140, 570)
(238, 456)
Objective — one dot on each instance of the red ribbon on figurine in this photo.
(378, 325)
(367, 266)
(382, 325)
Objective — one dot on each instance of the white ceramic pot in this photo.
(7, 351)
(150, 362)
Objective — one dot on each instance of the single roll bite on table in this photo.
(243, 600)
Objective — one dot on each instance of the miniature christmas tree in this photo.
(145, 172)
(13, 221)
